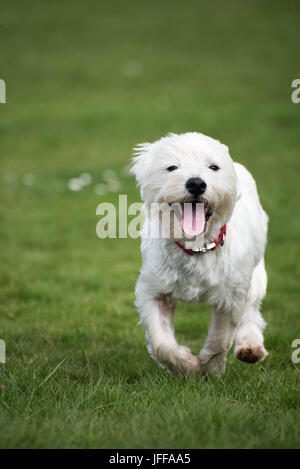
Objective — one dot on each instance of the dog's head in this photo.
(190, 167)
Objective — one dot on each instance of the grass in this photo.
(85, 83)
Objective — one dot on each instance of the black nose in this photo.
(196, 186)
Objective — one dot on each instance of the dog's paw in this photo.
(177, 360)
(251, 354)
(184, 362)
(215, 365)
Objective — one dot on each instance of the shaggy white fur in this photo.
(231, 278)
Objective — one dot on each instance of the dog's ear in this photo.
(238, 189)
(139, 161)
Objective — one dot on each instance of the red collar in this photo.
(208, 247)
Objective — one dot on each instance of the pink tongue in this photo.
(193, 219)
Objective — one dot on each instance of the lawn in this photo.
(85, 82)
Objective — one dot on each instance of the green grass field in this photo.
(85, 82)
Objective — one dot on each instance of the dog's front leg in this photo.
(219, 340)
(157, 315)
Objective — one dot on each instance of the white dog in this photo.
(226, 272)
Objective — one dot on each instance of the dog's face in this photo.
(189, 167)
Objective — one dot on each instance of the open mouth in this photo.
(194, 216)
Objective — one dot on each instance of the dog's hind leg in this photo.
(157, 315)
(249, 341)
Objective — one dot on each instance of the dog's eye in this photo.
(214, 167)
(172, 168)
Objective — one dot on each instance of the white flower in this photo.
(75, 184)
(86, 179)
(109, 175)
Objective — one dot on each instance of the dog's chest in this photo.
(197, 279)
(194, 288)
